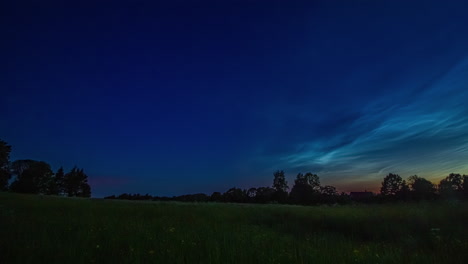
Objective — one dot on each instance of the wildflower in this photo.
(171, 229)
(356, 251)
(97, 246)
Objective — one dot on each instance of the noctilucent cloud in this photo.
(200, 96)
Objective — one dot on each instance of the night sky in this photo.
(177, 97)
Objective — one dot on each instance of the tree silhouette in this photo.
(52, 187)
(198, 197)
(328, 190)
(55, 186)
(85, 189)
(404, 192)
(216, 197)
(18, 166)
(328, 194)
(251, 193)
(37, 177)
(451, 186)
(279, 182)
(32, 176)
(391, 185)
(281, 186)
(5, 174)
(76, 183)
(421, 188)
(60, 181)
(264, 194)
(234, 195)
(306, 189)
(312, 180)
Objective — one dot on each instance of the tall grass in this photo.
(41, 229)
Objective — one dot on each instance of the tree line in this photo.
(31, 176)
(307, 190)
(454, 186)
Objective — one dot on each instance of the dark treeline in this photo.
(31, 176)
(307, 190)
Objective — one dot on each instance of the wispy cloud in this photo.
(425, 134)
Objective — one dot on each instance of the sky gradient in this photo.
(200, 96)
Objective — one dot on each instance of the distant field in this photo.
(41, 229)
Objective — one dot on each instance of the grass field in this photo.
(41, 229)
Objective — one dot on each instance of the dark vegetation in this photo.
(308, 191)
(37, 177)
(51, 229)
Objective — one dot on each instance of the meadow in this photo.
(44, 229)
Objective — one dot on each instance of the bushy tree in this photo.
(85, 190)
(281, 187)
(31, 176)
(76, 183)
(451, 186)
(312, 180)
(421, 188)
(216, 197)
(52, 187)
(264, 194)
(391, 185)
(328, 194)
(404, 192)
(55, 186)
(328, 190)
(198, 197)
(251, 193)
(279, 182)
(60, 181)
(18, 166)
(306, 189)
(234, 195)
(5, 174)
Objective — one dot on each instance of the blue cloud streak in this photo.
(424, 134)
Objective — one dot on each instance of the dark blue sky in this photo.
(200, 96)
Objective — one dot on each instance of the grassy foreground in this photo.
(41, 229)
